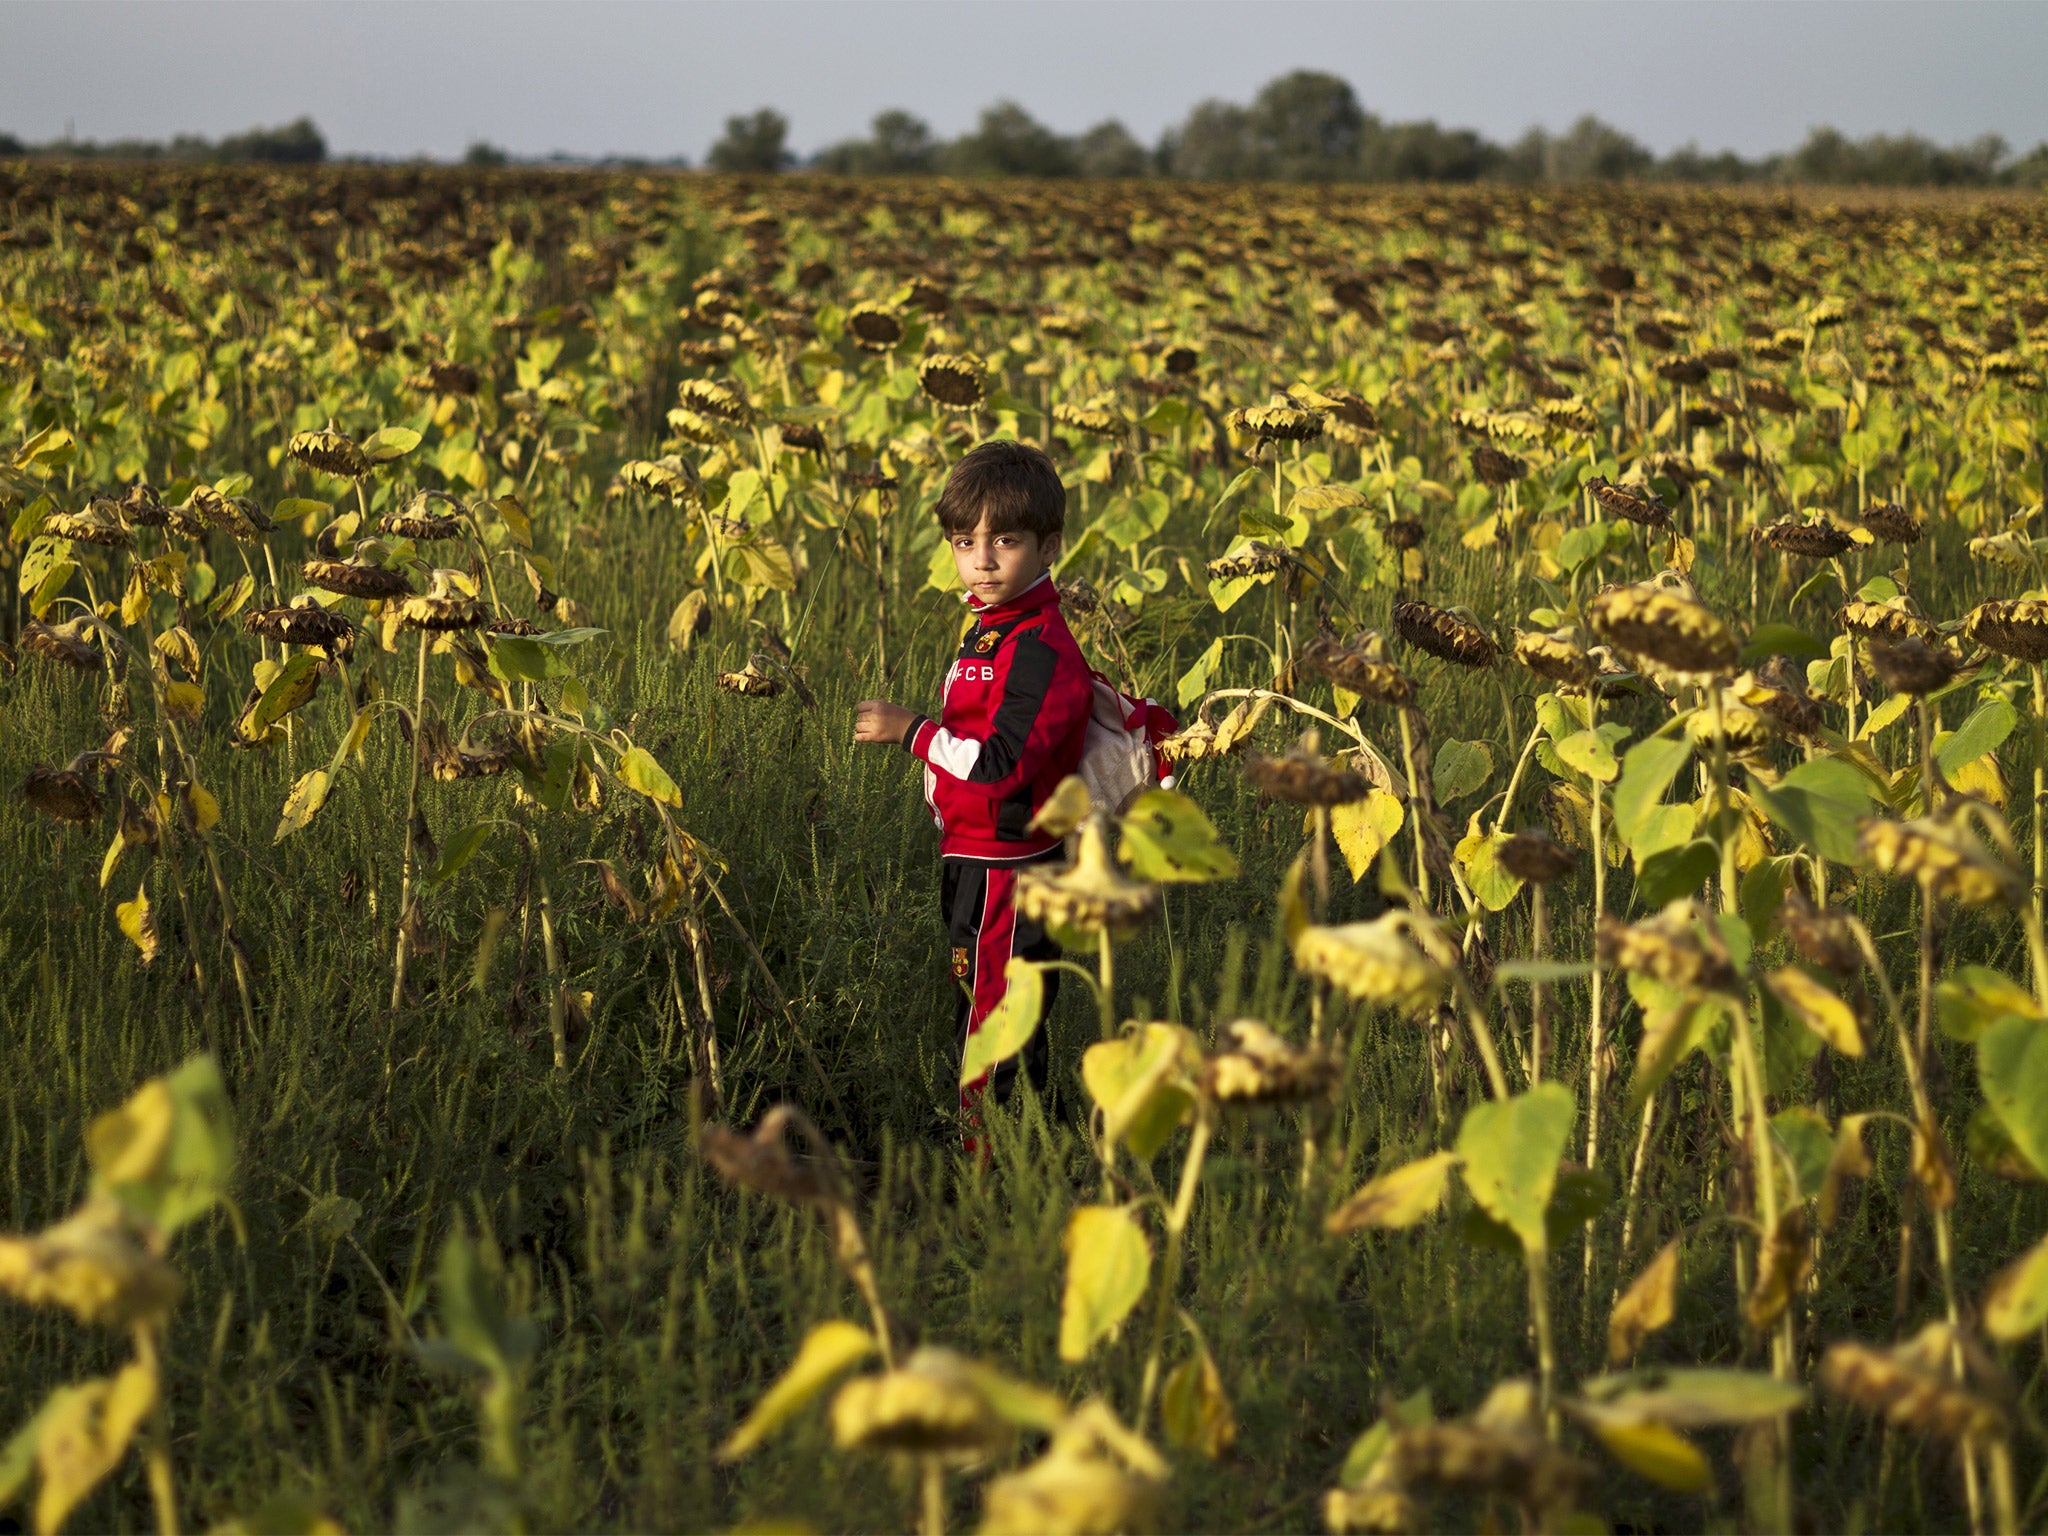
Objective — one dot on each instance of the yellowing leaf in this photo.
(302, 804)
(139, 923)
(1194, 1410)
(1819, 1008)
(1398, 1199)
(1167, 839)
(1590, 754)
(82, 1436)
(115, 849)
(1139, 1082)
(1363, 827)
(2017, 1302)
(1478, 858)
(1108, 1265)
(1650, 1302)
(828, 1350)
(183, 701)
(202, 811)
(641, 772)
(1885, 714)
(1009, 1025)
(288, 689)
(1510, 1149)
(1661, 1454)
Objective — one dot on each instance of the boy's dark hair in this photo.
(1014, 483)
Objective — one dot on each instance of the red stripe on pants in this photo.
(992, 950)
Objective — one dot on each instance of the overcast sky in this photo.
(594, 77)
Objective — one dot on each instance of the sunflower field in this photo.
(1569, 1053)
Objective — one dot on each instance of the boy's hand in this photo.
(877, 721)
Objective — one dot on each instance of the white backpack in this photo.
(1117, 758)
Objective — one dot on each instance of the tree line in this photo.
(1303, 126)
(1310, 126)
(296, 143)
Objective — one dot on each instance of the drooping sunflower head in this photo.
(955, 380)
(330, 452)
(1444, 633)
(1666, 628)
(1280, 420)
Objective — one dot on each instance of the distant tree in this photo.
(1214, 144)
(2031, 169)
(1591, 151)
(897, 144)
(297, 143)
(1108, 151)
(1424, 152)
(756, 142)
(1692, 164)
(1307, 125)
(1010, 142)
(483, 155)
(10, 145)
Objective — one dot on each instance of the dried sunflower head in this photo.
(1911, 666)
(954, 379)
(1261, 1068)
(1779, 692)
(1302, 775)
(1094, 419)
(1091, 895)
(518, 627)
(1444, 634)
(1405, 533)
(1676, 947)
(804, 436)
(446, 605)
(1362, 669)
(141, 507)
(1255, 559)
(1380, 961)
(1892, 621)
(1279, 421)
(1180, 361)
(1646, 510)
(720, 402)
(929, 1406)
(100, 523)
(667, 476)
(1814, 540)
(1943, 855)
(1821, 935)
(1496, 468)
(752, 681)
(873, 328)
(418, 520)
(355, 578)
(65, 643)
(1531, 855)
(1556, 657)
(303, 622)
(330, 452)
(96, 1264)
(1913, 1387)
(1664, 627)
(2015, 627)
(1892, 523)
(444, 378)
(765, 1162)
(62, 794)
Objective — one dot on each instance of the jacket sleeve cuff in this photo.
(917, 739)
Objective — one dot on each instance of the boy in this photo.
(1013, 724)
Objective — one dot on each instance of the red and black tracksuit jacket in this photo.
(1013, 724)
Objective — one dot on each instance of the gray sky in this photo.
(658, 77)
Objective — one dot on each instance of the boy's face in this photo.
(995, 567)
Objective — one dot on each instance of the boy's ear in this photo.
(1049, 549)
